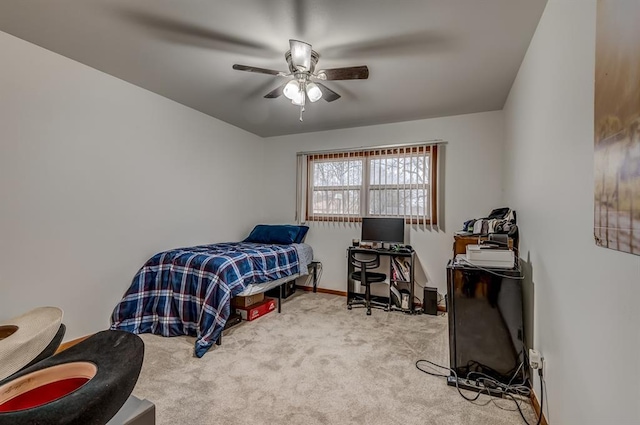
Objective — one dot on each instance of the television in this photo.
(383, 229)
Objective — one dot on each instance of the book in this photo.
(401, 269)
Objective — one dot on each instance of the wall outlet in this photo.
(535, 360)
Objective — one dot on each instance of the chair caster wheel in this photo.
(349, 307)
(368, 313)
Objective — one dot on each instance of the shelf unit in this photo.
(401, 283)
(402, 278)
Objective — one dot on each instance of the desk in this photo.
(395, 280)
(485, 322)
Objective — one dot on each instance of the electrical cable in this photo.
(470, 264)
(439, 375)
(309, 276)
(541, 401)
(513, 392)
(519, 402)
(476, 367)
(519, 388)
(319, 270)
(319, 274)
(456, 376)
(515, 374)
(544, 384)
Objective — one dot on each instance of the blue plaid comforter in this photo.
(187, 291)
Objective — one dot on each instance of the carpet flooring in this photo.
(314, 363)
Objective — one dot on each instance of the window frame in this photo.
(364, 187)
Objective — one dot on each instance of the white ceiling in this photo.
(426, 58)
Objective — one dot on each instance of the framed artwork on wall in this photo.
(617, 126)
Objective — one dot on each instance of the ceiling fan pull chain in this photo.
(304, 98)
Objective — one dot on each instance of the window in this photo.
(393, 182)
(337, 186)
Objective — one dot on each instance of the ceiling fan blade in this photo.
(277, 92)
(196, 35)
(349, 73)
(428, 42)
(328, 94)
(256, 69)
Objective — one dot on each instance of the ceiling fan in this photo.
(302, 61)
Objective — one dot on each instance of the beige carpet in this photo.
(314, 363)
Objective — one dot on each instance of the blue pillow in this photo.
(301, 234)
(282, 234)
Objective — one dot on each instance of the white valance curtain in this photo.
(342, 186)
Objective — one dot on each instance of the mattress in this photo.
(305, 257)
(186, 291)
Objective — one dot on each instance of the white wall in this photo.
(472, 185)
(585, 306)
(96, 175)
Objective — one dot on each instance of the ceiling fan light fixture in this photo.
(300, 55)
(301, 62)
(291, 89)
(313, 92)
(299, 98)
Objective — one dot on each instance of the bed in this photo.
(187, 291)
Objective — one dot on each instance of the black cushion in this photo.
(372, 277)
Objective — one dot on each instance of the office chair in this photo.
(364, 261)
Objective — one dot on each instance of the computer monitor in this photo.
(383, 229)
